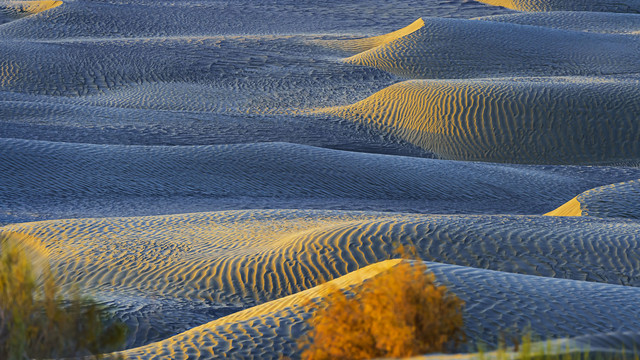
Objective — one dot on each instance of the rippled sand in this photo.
(204, 168)
(461, 48)
(572, 120)
(624, 6)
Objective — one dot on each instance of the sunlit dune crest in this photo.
(597, 22)
(621, 200)
(249, 257)
(258, 255)
(570, 208)
(359, 45)
(23, 8)
(209, 171)
(625, 6)
(542, 120)
(268, 331)
(458, 48)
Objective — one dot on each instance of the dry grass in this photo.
(37, 322)
(400, 313)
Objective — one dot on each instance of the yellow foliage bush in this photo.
(37, 322)
(399, 313)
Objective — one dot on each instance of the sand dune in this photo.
(597, 22)
(80, 67)
(570, 208)
(540, 120)
(145, 18)
(13, 10)
(193, 264)
(182, 91)
(187, 161)
(44, 180)
(258, 255)
(616, 200)
(495, 300)
(601, 346)
(360, 45)
(455, 49)
(624, 6)
(266, 331)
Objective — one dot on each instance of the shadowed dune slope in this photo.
(249, 66)
(620, 200)
(624, 6)
(456, 49)
(538, 120)
(495, 300)
(44, 180)
(360, 45)
(597, 22)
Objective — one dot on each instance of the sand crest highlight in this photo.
(625, 6)
(359, 45)
(457, 48)
(268, 331)
(564, 121)
(24, 8)
(620, 200)
(570, 208)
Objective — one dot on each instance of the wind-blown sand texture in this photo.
(203, 167)
(225, 259)
(456, 48)
(619, 200)
(624, 6)
(13, 10)
(360, 45)
(538, 120)
(597, 22)
(265, 332)
(606, 345)
(44, 180)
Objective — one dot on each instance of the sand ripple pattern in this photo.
(597, 22)
(153, 18)
(571, 120)
(249, 257)
(13, 10)
(44, 180)
(496, 300)
(457, 49)
(208, 173)
(623, 6)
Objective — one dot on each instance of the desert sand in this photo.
(518, 120)
(625, 6)
(209, 171)
(614, 200)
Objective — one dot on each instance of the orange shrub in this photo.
(399, 313)
(37, 322)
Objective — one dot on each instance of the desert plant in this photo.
(399, 313)
(37, 322)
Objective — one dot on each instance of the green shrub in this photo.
(399, 313)
(37, 322)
